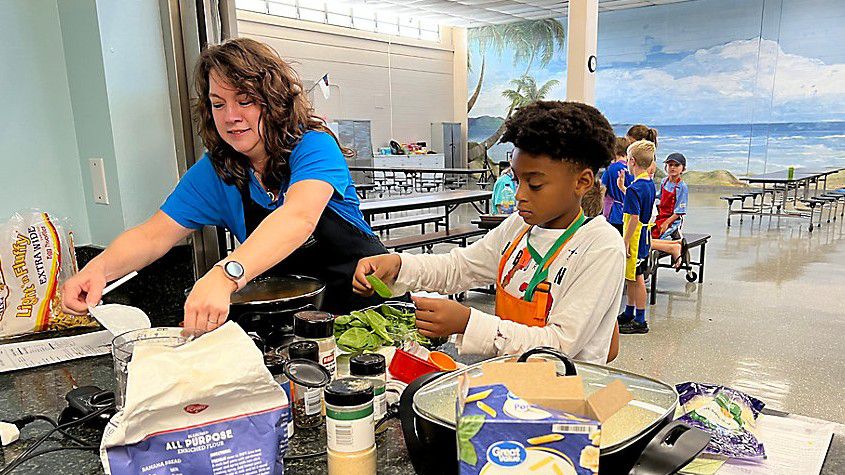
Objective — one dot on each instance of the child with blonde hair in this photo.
(637, 210)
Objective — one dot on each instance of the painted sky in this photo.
(704, 62)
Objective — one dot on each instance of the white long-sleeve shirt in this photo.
(586, 286)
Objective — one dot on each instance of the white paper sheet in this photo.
(29, 354)
(119, 319)
(794, 444)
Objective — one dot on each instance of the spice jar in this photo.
(350, 434)
(371, 366)
(276, 365)
(308, 378)
(311, 325)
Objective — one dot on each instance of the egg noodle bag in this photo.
(36, 256)
(208, 407)
(728, 415)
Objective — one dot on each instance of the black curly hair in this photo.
(569, 131)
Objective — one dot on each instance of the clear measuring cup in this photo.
(123, 346)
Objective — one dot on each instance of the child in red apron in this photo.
(558, 274)
(671, 210)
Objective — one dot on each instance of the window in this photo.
(286, 8)
(341, 13)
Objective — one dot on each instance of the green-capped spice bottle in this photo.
(350, 429)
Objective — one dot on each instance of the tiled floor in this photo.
(769, 318)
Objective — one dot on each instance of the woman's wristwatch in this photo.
(234, 271)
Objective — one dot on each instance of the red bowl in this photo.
(406, 367)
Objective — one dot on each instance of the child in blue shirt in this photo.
(610, 179)
(637, 210)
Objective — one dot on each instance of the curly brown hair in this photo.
(569, 131)
(258, 72)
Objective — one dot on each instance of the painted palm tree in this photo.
(530, 40)
(523, 91)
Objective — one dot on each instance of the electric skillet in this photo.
(641, 438)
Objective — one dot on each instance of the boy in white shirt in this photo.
(558, 274)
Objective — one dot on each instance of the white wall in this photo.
(39, 162)
(84, 79)
(401, 85)
(139, 105)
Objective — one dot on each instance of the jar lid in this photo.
(367, 364)
(304, 350)
(349, 392)
(307, 373)
(313, 324)
(275, 364)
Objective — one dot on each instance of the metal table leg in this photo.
(701, 262)
(653, 292)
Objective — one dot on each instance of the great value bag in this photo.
(36, 256)
(208, 407)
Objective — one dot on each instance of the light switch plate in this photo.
(98, 181)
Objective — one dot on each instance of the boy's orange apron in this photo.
(666, 207)
(533, 308)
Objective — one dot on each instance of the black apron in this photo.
(330, 254)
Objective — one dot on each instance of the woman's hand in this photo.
(207, 307)
(384, 266)
(440, 317)
(84, 290)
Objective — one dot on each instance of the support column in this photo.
(581, 40)
(460, 88)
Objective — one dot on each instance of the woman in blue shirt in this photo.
(274, 175)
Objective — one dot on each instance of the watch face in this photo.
(234, 269)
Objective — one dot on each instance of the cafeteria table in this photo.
(415, 174)
(779, 184)
(448, 200)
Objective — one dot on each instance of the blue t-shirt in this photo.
(639, 200)
(681, 197)
(202, 198)
(608, 179)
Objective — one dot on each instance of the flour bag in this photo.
(206, 407)
(36, 256)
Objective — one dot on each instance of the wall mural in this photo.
(746, 87)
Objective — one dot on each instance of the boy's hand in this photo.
(620, 180)
(384, 266)
(440, 317)
(628, 250)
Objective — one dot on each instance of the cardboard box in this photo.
(524, 418)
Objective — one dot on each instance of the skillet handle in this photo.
(671, 449)
(545, 350)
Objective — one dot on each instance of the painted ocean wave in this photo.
(738, 148)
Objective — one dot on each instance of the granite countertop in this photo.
(41, 391)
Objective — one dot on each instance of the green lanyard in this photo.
(542, 272)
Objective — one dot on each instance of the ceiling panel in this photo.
(470, 13)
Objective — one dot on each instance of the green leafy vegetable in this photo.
(380, 326)
(467, 428)
(354, 338)
(379, 286)
(343, 320)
